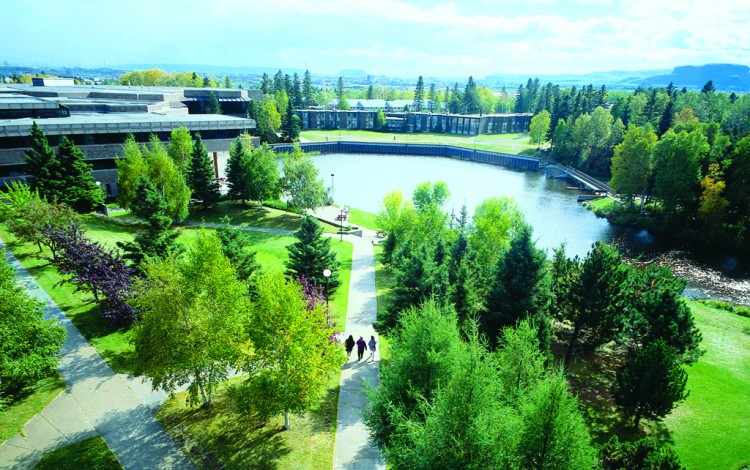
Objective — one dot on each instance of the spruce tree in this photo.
(238, 165)
(203, 181)
(290, 125)
(42, 164)
(307, 90)
(311, 255)
(517, 290)
(78, 188)
(418, 103)
(234, 242)
(213, 106)
(343, 102)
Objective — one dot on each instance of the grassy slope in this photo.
(91, 454)
(362, 218)
(506, 143)
(219, 437)
(248, 214)
(710, 429)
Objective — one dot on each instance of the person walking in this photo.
(361, 346)
(349, 345)
(372, 344)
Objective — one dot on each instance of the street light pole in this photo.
(327, 274)
(332, 200)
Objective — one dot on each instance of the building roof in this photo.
(10, 101)
(95, 123)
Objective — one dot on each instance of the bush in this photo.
(740, 310)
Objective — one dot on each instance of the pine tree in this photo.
(343, 102)
(431, 97)
(651, 383)
(213, 106)
(418, 103)
(296, 95)
(471, 97)
(234, 242)
(203, 181)
(265, 84)
(307, 90)
(79, 190)
(517, 291)
(238, 164)
(290, 125)
(311, 255)
(42, 163)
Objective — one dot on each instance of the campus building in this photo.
(98, 118)
(460, 124)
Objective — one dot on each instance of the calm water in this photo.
(361, 181)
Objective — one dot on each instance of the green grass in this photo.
(710, 429)
(220, 437)
(248, 214)
(91, 454)
(383, 283)
(362, 218)
(25, 406)
(505, 143)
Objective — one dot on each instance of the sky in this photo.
(401, 38)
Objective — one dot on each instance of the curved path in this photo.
(97, 401)
(352, 449)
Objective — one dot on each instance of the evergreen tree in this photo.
(42, 164)
(307, 90)
(203, 182)
(518, 289)
(213, 106)
(290, 125)
(554, 435)
(78, 188)
(471, 98)
(651, 383)
(341, 96)
(431, 98)
(645, 453)
(296, 94)
(418, 103)
(238, 168)
(234, 242)
(227, 83)
(311, 255)
(265, 84)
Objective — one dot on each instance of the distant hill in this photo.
(213, 69)
(352, 73)
(725, 77)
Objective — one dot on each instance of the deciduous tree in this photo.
(303, 188)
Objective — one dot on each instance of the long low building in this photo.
(461, 124)
(98, 119)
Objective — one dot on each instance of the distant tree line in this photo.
(157, 77)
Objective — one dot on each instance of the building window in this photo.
(108, 188)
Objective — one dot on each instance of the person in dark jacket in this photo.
(361, 346)
(349, 345)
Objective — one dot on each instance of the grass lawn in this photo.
(710, 429)
(383, 282)
(219, 437)
(91, 454)
(248, 214)
(505, 143)
(24, 407)
(362, 218)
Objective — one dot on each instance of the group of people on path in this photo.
(362, 346)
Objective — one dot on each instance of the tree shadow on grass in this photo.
(323, 418)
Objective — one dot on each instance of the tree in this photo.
(520, 361)
(168, 179)
(381, 123)
(518, 286)
(300, 183)
(494, 222)
(657, 311)
(539, 127)
(311, 254)
(203, 182)
(233, 244)
(293, 355)
(291, 125)
(713, 205)
(631, 163)
(418, 102)
(191, 313)
(422, 356)
(29, 344)
(42, 162)
(645, 453)
(677, 158)
(78, 188)
(307, 90)
(130, 167)
(471, 98)
(553, 434)
(228, 82)
(213, 106)
(595, 292)
(238, 169)
(268, 120)
(651, 383)
(181, 148)
(264, 173)
(343, 103)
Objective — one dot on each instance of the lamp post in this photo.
(327, 274)
(332, 200)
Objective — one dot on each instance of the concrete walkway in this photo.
(352, 449)
(97, 401)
